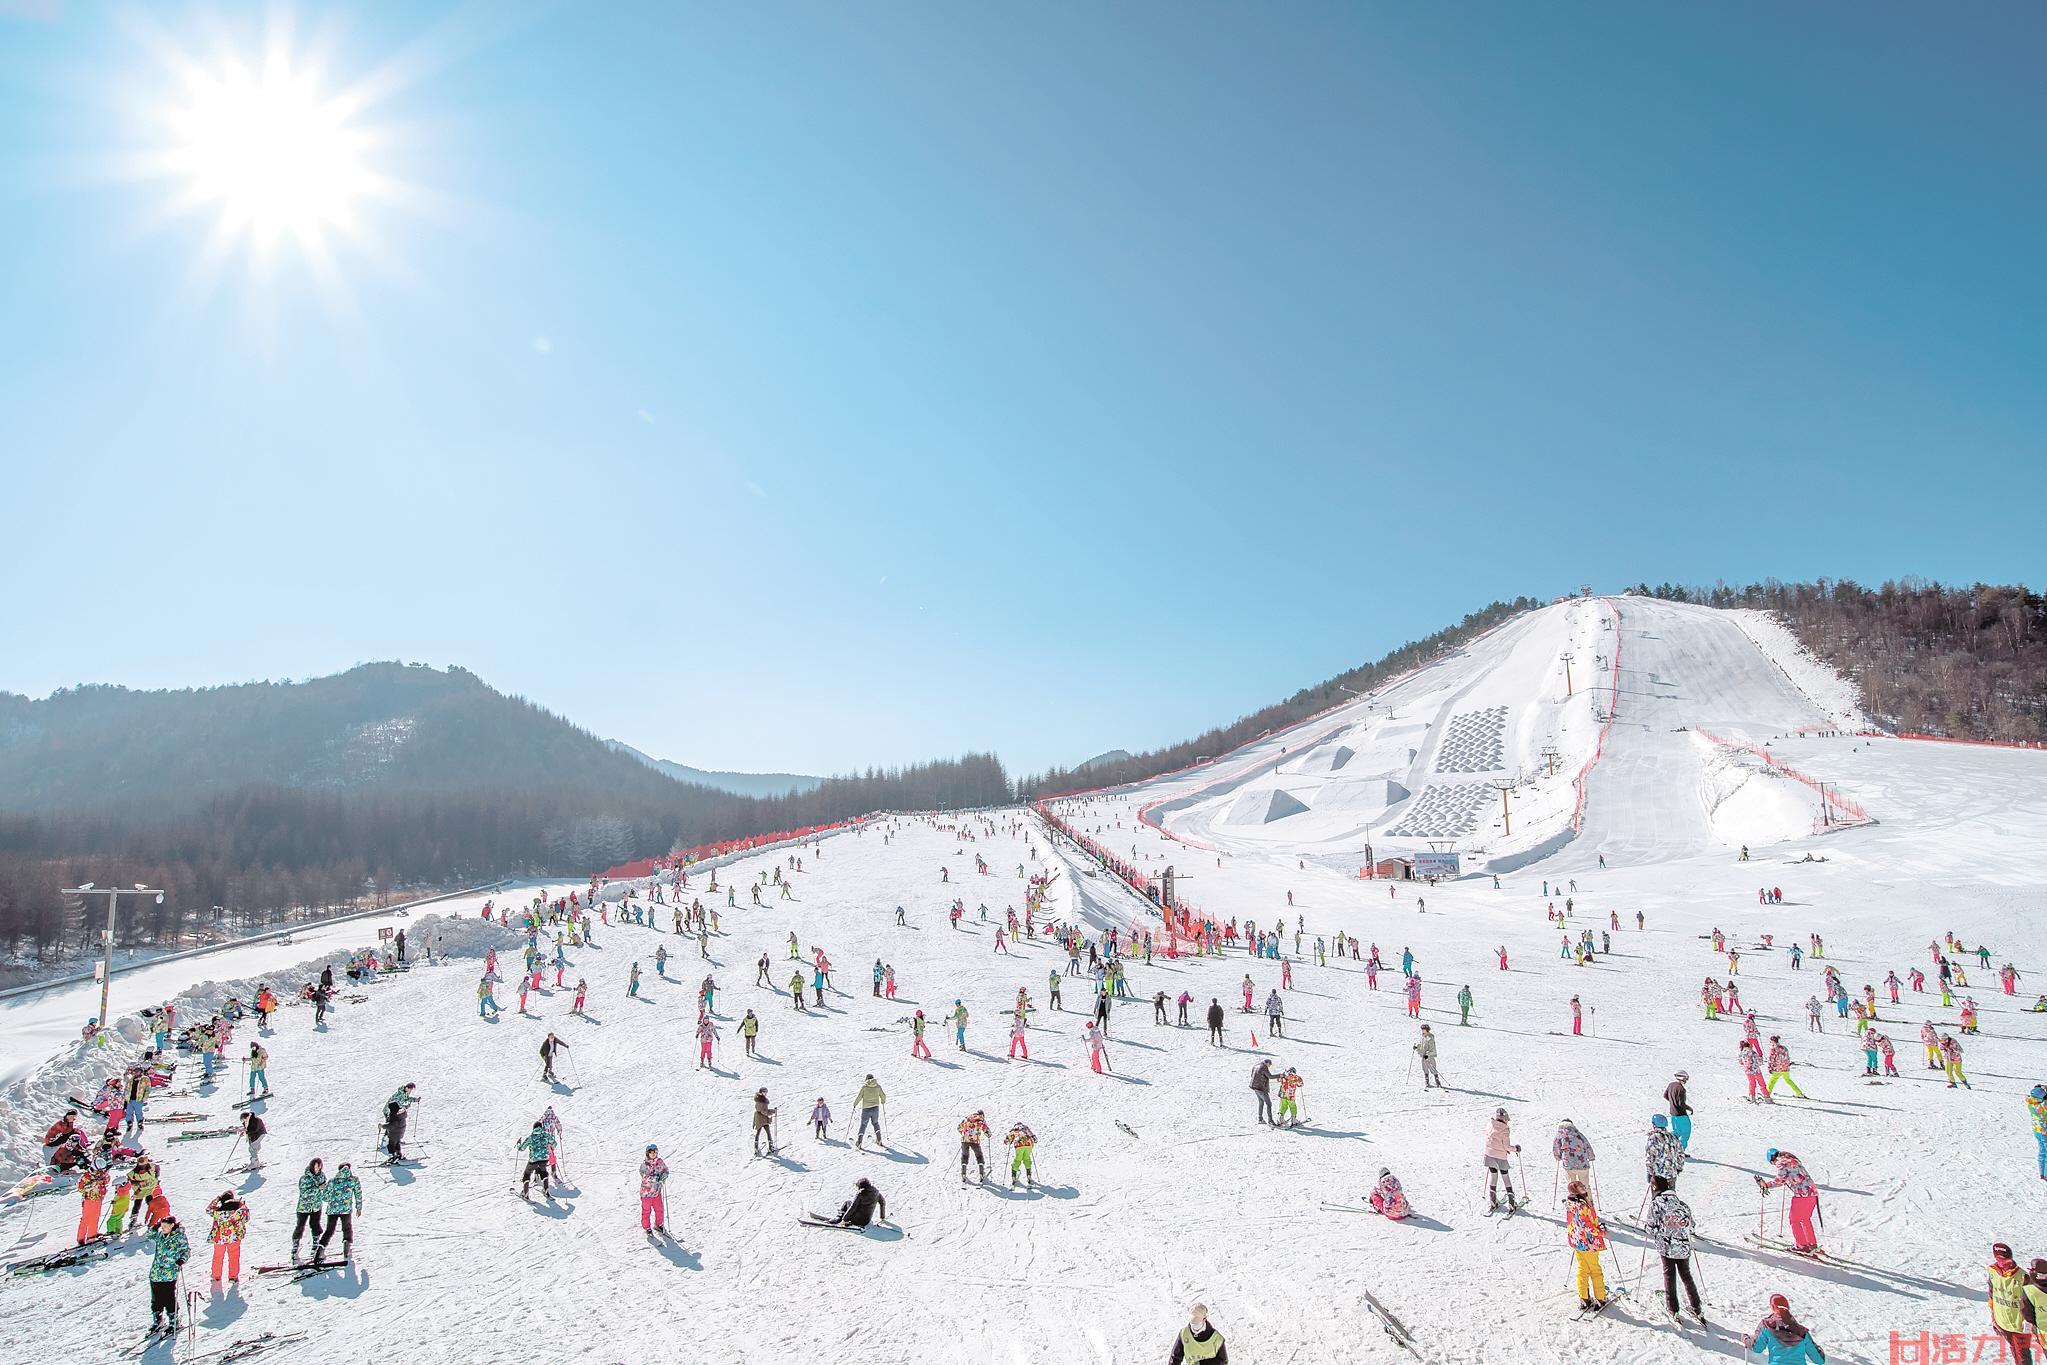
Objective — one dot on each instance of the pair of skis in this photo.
(94, 1250)
(1619, 1292)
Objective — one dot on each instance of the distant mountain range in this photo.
(739, 784)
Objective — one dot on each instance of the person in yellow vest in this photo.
(1199, 1341)
(2008, 1302)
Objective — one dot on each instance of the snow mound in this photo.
(1327, 758)
(1372, 793)
(1448, 810)
(1474, 742)
(1264, 807)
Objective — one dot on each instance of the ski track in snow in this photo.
(1100, 1264)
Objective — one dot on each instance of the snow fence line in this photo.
(1612, 710)
(704, 854)
(1846, 812)
(33, 987)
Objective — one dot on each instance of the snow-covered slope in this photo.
(1156, 1187)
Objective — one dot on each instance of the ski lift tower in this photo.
(1504, 786)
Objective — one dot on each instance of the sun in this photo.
(269, 152)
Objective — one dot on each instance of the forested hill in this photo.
(263, 797)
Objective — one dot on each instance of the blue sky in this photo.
(803, 386)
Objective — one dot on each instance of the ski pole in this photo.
(1556, 1175)
(231, 1153)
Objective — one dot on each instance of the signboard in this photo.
(1434, 864)
(384, 933)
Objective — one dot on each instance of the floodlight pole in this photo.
(113, 895)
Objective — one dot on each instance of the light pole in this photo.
(113, 895)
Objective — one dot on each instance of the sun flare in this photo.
(269, 153)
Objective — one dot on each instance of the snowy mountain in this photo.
(740, 784)
(1680, 736)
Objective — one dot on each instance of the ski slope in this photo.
(1125, 1231)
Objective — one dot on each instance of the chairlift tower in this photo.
(1505, 785)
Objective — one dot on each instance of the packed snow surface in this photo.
(1156, 1188)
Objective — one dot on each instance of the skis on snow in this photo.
(1584, 1313)
(57, 1260)
(1391, 1325)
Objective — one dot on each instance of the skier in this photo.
(1261, 1085)
(820, 1119)
(763, 1121)
(869, 1101)
(653, 1186)
(707, 1035)
(749, 1029)
(918, 1047)
(1289, 1099)
(1499, 1148)
(1198, 1341)
(1427, 1049)
(1017, 1041)
(1022, 1142)
(2036, 1106)
(959, 1025)
(1572, 1150)
(973, 1132)
(343, 1196)
(259, 1059)
(394, 1126)
(1577, 1017)
(538, 1145)
(547, 1047)
(230, 1222)
(92, 1188)
(862, 1208)
(1671, 1226)
(2008, 1304)
(1782, 1340)
(1275, 1014)
(1805, 1196)
(1097, 1048)
(312, 1197)
(1663, 1154)
(1464, 1005)
(1388, 1198)
(168, 1251)
(1587, 1238)
(1780, 1068)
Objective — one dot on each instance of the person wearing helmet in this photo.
(1805, 1196)
(653, 1187)
(1782, 1340)
(1663, 1154)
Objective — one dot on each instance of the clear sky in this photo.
(803, 386)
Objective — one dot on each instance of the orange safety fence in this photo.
(1613, 709)
(1842, 810)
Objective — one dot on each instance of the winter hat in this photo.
(1577, 1189)
(2001, 1250)
(1779, 1304)
(1658, 1121)
(2038, 1092)
(1684, 1075)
